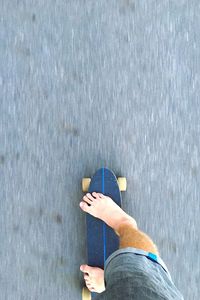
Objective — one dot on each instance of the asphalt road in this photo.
(85, 84)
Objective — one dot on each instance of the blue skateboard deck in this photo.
(102, 240)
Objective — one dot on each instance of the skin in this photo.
(104, 208)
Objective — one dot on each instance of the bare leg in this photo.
(131, 236)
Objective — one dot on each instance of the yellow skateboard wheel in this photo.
(86, 295)
(122, 182)
(85, 184)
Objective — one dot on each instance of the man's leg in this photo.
(131, 236)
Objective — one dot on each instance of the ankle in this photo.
(126, 222)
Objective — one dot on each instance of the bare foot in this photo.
(104, 208)
(94, 278)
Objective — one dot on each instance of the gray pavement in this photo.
(85, 84)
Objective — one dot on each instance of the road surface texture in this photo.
(86, 84)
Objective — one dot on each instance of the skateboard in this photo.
(102, 240)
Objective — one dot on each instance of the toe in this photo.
(86, 269)
(96, 195)
(100, 195)
(89, 286)
(86, 277)
(89, 196)
(83, 206)
(86, 199)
